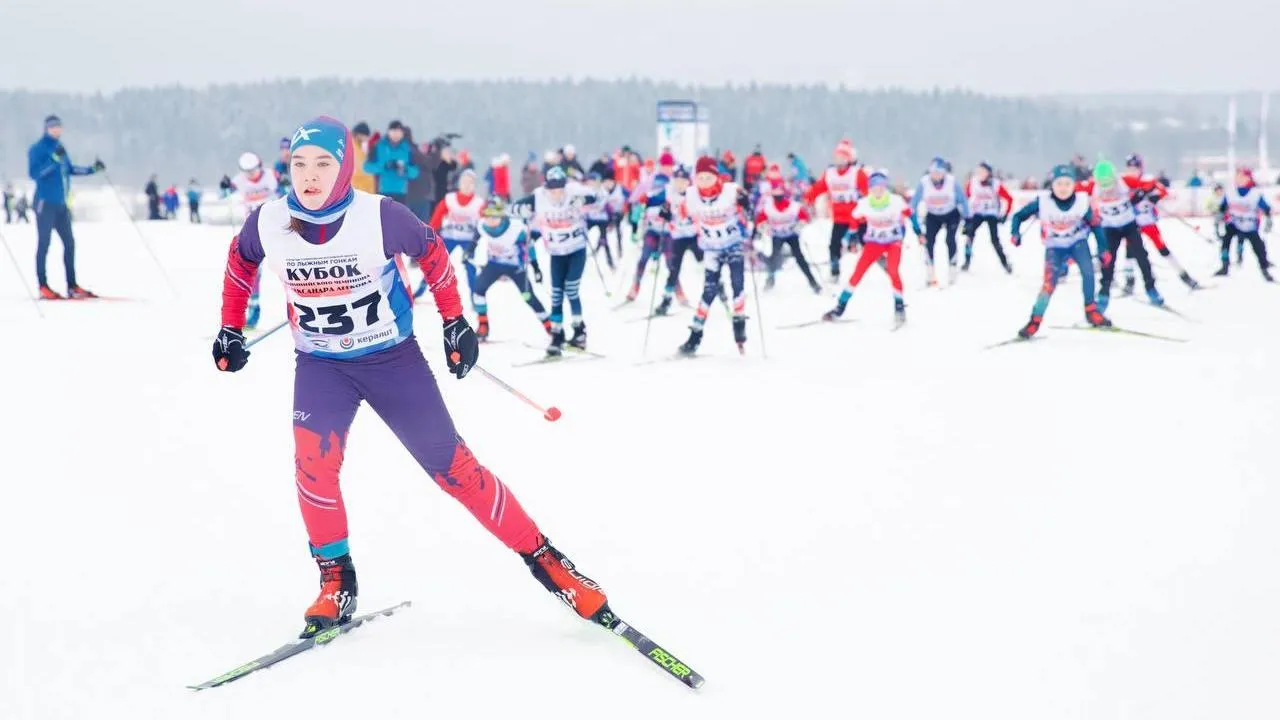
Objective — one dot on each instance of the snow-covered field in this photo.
(865, 524)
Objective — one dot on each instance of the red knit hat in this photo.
(706, 164)
(667, 159)
(845, 148)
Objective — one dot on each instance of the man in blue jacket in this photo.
(391, 162)
(51, 168)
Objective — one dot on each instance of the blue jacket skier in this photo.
(50, 166)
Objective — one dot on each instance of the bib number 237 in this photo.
(337, 318)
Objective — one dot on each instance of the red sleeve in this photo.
(864, 185)
(803, 216)
(1005, 196)
(438, 272)
(1085, 186)
(818, 188)
(761, 217)
(1150, 185)
(237, 284)
(437, 217)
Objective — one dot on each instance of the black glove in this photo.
(461, 348)
(98, 165)
(665, 213)
(537, 271)
(229, 353)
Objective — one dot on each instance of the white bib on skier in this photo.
(716, 218)
(504, 248)
(563, 224)
(346, 299)
(460, 220)
(939, 199)
(782, 223)
(1114, 207)
(1242, 210)
(253, 193)
(1063, 228)
(885, 225)
(984, 198)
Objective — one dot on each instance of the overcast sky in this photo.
(993, 46)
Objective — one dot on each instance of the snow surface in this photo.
(864, 524)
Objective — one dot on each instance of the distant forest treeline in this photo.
(179, 133)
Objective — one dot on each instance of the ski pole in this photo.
(551, 414)
(1196, 230)
(264, 335)
(18, 269)
(653, 296)
(755, 290)
(141, 238)
(595, 261)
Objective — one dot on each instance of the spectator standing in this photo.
(50, 166)
(391, 163)
(360, 179)
(194, 191)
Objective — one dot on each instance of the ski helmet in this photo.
(1063, 170)
(250, 161)
(1133, 160)
(556, 178)
(878, 178)
(938, 164)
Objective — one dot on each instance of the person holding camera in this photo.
(392, 164)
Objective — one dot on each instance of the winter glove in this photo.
(1266, 225)
(461, 347)
(98, 165)
(1105, 258)
(229, 352)
(537, 271)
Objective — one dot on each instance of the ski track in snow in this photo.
(864, 524)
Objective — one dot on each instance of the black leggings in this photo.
(1133, 248)
(993, 229)
(1253, 238)
(935, 223)
(793, 242)
(675, 260)
(838, 231)
(603, 242)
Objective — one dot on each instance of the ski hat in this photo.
(285, 143)
(1246, 171)
(878, 178)
(776, 188)
(467, 173)
(986, 166)
(667, 159)
(1134, 160)
(361, 128)
(706, 163)
(332, 136)
(681, 172)
(1104, 172)
(555, 178)
(494, 207)
(52, 121)
(568, 149)
(845, 149)
(395, 125)
(249, 161)
(1063, 170)
(938, 164)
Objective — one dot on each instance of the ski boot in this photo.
(482, 327)
(899, 313)
(1031, 328)
(556, 348)
(559, 576)
(664, 307)
(1154, 296)
(579, 339)
(1104, 301)
(769, 282)
(1226, 267)
(740, 333)
(968, 257)
(1266, 275)
(422, 289)
(47, 293)
(255, 311)
(690, 346)
(1008, 269)
(75, 292)
(1093, 313)
(1190, 282)
(1129, 284)
(337, 601)
(834, 312)
(835, 271)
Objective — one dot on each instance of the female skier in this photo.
(336, 250)
(1066, 221)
